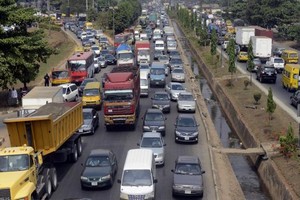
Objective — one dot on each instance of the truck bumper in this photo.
(120, 119)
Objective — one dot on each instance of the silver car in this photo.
(174, 89)
(186, 102)
(102, 62)
(177, 75)
(155, 142)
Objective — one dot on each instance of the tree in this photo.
(288, 142)
(21, 50)
(231, 64)
(271, 105)
(213, 44)
(250, 63)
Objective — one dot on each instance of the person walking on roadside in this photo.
(14, 96)
(47, 80)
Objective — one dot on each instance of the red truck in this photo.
(142, 51)
(260, 31)
(121, 92)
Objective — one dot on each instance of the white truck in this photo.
(168, 30)
(39, 96)
(243, 35)
(262, 47)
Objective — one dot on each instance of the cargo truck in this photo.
(262, 47)
(125, 55)
(121, 97)
(38, 97)
(38, 140)
(142, 51)
(243, 35)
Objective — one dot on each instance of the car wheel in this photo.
(76, 98)
(93, 131)
(260, 79)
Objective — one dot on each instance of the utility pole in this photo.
(86, 5)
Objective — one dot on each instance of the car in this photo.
(83, 84)
(173, 89)
(225, 44)
(91, 38)
(174, 54)
(257, 63)
(186, 128)
(178, 75)
(295, 98)
(98, 34)
(242, 56)
(90, 121)
(96, 49)
(161, 100)
(278, 51)
(154, 120)
(266, 73)
(86, 42)
(157, 53)
(70, 92)
(186, 102)
(103, 41)
(110, 59)
(111, 50)
(155, 142)
(277, 62)
(156, 36)
(161, 64)
(175, 62)
(103, 52)
(164, 59)
(145, 67)
(100, 169)
(102, 62)
(187, 176)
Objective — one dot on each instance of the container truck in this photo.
(125, 55)
(38, 140)
(40, 96)
(121, 97)
(262, 47)
(142, 51)
(243, 35)
(260, 31)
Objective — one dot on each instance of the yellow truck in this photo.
(290, 77)
(38, 140)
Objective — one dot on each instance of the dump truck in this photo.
(121, 97)
(39, 140)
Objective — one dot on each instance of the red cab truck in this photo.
(142, 51)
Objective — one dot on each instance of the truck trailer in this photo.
(243, 35)
(142, 51)
(262, 47)
(121, 97)
(39, 140)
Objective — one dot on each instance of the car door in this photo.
(68, 94)
(168, 88)
(73, 89)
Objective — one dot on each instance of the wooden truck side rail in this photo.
(48, 128)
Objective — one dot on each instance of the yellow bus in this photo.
(91, 96)
(290, 56)
(88, 25)
(290, 77)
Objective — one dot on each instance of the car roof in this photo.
(160, 92)
(92, 85)
(153, 110)
(186, 93)
(66, 85)
(191, 116)
(188, 159)
(175, 83)
(151, 134)
(98, 152)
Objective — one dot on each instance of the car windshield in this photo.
(87, 115)
(85, 81)
(14, 163)
(97, 161)
(278, 60)
(154, 142)
(101, 58)
(293, 55)
(185, 97)
(137, 178)
(125, 55)
(187, 122)
(177, 87)
(95, 48)
(157, 71)
(178, 71)
(109, 56)
(163, 58)
(144, 67)
(190, 169)
(119, 95)
(161, 97)
(256, 62)
(60, 74)
(269, 69)
(154, 117)
(174, 53)
(176, 61)
(90, 92)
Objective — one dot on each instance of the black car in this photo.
(111, 50)
(154, 120)
(90, 121)
(86, 42)
(161, 100)
(83, 84)
(110, 59)
(266, 73)
(104, 52)
(157, 53)
(100, 169)
(187, 177)
(295, 98)
(186, 128)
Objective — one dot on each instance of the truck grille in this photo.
(5, 194)
(120, 110)
(136, 197)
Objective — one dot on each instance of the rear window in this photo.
(269, 69)
(293, 55)
(278, 60)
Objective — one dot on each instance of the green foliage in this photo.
(257, 97)
(246, 83)
(213, 43)
(250, 63)
(288, 142)
(271, 105)
(21, 51)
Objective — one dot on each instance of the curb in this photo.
(2, 140)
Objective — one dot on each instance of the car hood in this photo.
(154, 123)
(177, 91)
(87, 122)
(155, 151)
(190, 103)
(160, 102)
(96, 171)
(185, 179)
(185, 129)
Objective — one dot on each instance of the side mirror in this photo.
(81, 164)
(165, 118)
(94, 116)
(202, 172)
(119, 181)
(138, 144)
(155, 181)
(165, 144)
(172, 170)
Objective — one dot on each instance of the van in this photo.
(159, 45)
(144, 85)
(91, 96)
(290, 77)
(139, 175)
(157, 76)
(290, 56)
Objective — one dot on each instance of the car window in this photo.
(68, 91)
(91, 92)
(178, 71)
(177, 87)
(137, 177)
(87, 115)
(185, 97)
(154, 117)
(278, 60)
(73, 87)
(185, 168)
(161, 97)
(187, 122)
(151, 142)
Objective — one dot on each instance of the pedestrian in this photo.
(14, 96)
(9, 99)
(47, 80)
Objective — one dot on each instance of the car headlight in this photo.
(160, 155)
(106, 177)
(161, 128)
(174, 95)
(146, 127)
(195, 134)
(83, 178)
(162, 79)
(177, 133)
(176, 186)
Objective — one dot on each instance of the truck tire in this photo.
(79, 147)
(47, 182)
(53, 176)
(74, 155)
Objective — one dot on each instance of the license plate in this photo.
(94, 183)
(186, 138)
(188, 192)
(156, 82)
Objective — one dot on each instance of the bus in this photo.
(60, 76)
(81, 66)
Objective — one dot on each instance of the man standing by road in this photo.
(47, 80)
(14, 96)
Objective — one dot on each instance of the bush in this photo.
(246, 83)
(288, 143)
(257, 97)
(50, 26)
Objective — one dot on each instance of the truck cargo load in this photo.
(262, 47)
(260, 31)
(243, 35)
(125, 55)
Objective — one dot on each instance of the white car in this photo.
(277, 62)
(186, 102)
(96, 49)
(70, 92)
(174, 89)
